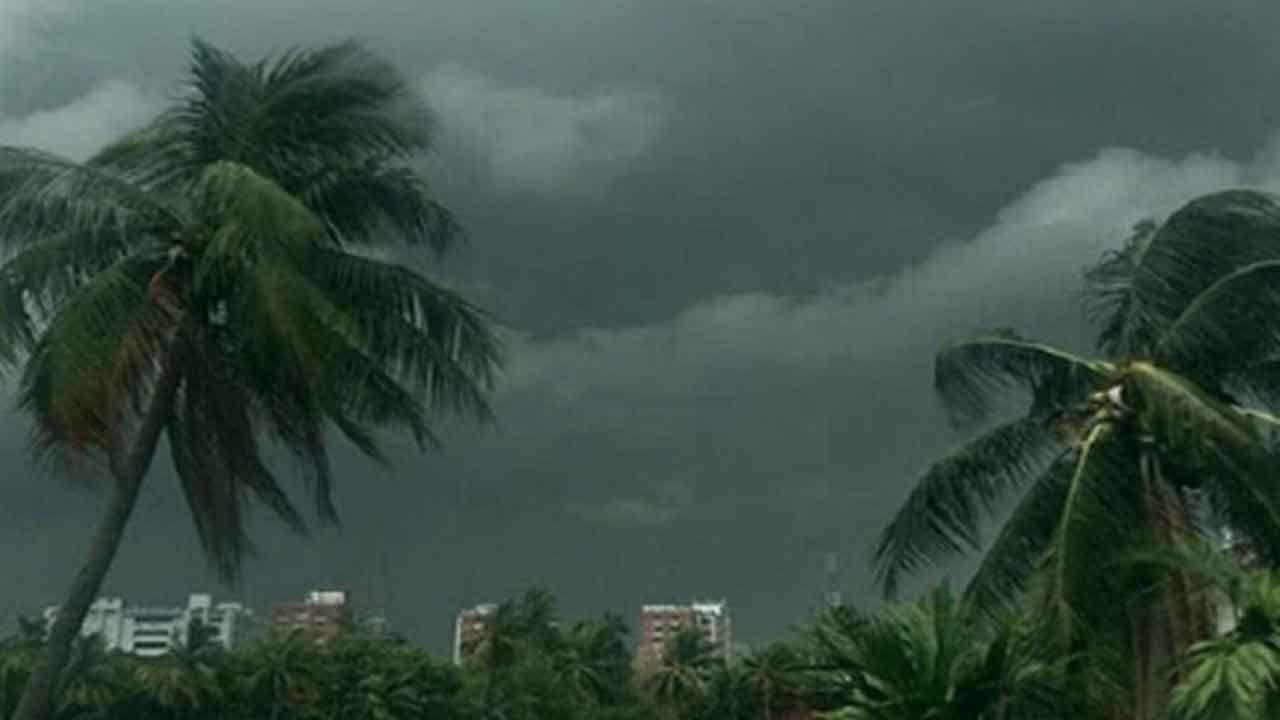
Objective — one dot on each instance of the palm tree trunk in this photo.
(38, 697)
(1139, 656)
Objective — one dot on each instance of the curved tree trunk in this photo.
(128, 469)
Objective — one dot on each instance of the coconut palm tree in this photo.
(17, 654)
(95, 683)
(680, 679)
(594, 663)
(189, 681)
(1167, 432)
(280, 674)
(216, 278)
(773, 677)
(928, 661)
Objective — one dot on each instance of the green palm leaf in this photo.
(942, 516)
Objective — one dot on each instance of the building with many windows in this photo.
(660, 623)
(152, 630)
(469, 627)
(322, 615)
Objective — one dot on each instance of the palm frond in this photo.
(1018, 552)
(42, 193)
(302, 111)
(1203, 241)
(942, 516)
(1232, 325)
(1203, 436)
(378, 203)
(430, 337)
(971, 373)
(1228, 678)
(1112, 302)
(93, 359)
(1097, 516)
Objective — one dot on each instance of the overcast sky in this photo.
(726, 237)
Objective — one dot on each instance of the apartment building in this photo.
(153, 630)
(322, 615)
(660, 623)
(468, 628)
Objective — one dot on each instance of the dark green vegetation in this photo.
(531, 664)
(213, 280)
(1165, 437)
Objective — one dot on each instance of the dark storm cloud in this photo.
(770, 214)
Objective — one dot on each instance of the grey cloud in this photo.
(746, 306)
(541, 141)
(665, 503)
(84, 125)
(796, 422)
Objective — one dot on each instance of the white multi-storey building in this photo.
(152, 630)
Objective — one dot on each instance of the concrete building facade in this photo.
(322, 615)
(468, 628)
(153, 630)
(660, 623)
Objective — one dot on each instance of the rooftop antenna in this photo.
(832, 583)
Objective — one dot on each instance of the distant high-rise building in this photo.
(469, 627)
(660, 623)
(153, 630)
(322, 615)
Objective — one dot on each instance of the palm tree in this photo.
(498, 648)
(94, 683)
(680, 679)
(213, 278)
(281, 674)
(726, 695)
(1166, 433)
(17, 654)
(594, 663)
(773, 676)
(190, 680)
(927, 661)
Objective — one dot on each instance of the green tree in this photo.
(680, 680)
(773, 676)
(1165, 433)
(213, 279)
(189, 681)
(594, 663)
(95, 683)
(280, 675)
(927, 661)
(17, 654)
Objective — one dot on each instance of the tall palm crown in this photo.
(213, 279)
(232, 240)
(1167, 433)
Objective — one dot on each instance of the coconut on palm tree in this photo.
(1166, 432)
(215, 279)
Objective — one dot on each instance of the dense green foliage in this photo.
(1167, 433)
